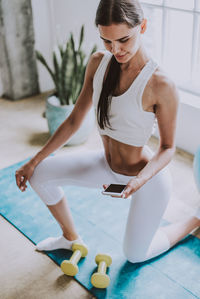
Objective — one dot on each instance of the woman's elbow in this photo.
(169, 149)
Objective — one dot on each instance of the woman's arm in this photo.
(74, 121)
(67, 128)
(167, 102)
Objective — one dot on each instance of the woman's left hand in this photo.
(132, 186)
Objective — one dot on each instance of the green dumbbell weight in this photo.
(69, 267)
(100, 279)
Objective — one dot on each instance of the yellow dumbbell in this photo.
(69, 267)
(100, 279)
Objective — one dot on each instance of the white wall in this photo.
(70, 15)
(1, 87)
(43, 39)
(188, 129)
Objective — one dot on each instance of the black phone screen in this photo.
(115, 188)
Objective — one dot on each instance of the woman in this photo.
(128, 91)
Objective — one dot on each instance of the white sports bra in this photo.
(130, 123)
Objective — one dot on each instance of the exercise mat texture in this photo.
(100, 220)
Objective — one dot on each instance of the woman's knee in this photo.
(41, 182)
(39, 174)
(132, 257)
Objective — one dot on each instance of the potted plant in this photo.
(68, 76)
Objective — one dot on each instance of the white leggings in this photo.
(143, 238)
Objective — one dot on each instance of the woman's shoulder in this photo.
(97, 57)
(93, 64)
(162, 85)
(161, 79)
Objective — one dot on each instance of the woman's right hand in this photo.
(23, 174)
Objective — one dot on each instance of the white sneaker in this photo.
(57, 243)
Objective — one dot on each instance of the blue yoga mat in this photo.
(101, 223)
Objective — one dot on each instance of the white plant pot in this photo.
(56, 114)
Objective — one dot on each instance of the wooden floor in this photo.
(26, 273)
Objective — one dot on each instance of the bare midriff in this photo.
(123, 158)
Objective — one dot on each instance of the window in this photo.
(173, 37)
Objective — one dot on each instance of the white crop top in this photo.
(130, 123)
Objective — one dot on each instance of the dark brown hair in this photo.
(109, 12)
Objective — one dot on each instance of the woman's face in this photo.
(121, 40)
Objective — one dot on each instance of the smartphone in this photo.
(114, 190)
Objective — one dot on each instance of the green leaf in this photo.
(40, 57)
(73, 53)
(63, 70)
(81, 38)
(61, 50)
(56, 65)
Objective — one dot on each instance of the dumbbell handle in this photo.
(102, 267)
(75, 257)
